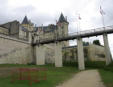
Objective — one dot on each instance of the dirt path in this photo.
(89, 78)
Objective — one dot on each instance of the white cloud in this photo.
(48, 11)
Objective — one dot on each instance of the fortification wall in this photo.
(49, 54)
(96, 53)
(3, 30)
(91, 53)
(14, 51)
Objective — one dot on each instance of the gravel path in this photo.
(89, 78)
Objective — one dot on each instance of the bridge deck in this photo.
(82, 34)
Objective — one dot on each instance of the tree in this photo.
(96, 42)
(85, 43)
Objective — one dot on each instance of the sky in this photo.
(48, 11)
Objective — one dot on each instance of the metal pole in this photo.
(79, 23)
(103, 23)
(102, 15)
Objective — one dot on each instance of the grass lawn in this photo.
(107, 77)
(106, 72)
(55, 76)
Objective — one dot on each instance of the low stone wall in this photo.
(14, 51)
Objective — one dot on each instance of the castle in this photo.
(61, 28)
(26, 30)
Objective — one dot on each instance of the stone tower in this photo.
(62, 26)
(27, 24)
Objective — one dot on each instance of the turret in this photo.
(27, 24)
(62, 19)
(62, 26)
(25, 20)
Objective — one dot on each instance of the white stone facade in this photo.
(15, 52)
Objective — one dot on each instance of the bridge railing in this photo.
(55, 36)
(92, 30)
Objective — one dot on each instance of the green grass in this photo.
(107, 77)
(55, 76)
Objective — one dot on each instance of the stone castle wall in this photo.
(14, 51)
(96, 53)
(91, 53)
(10, 28)
(4, 31)
(49, 53)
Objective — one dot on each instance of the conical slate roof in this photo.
(25, 21)
(62, 18)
